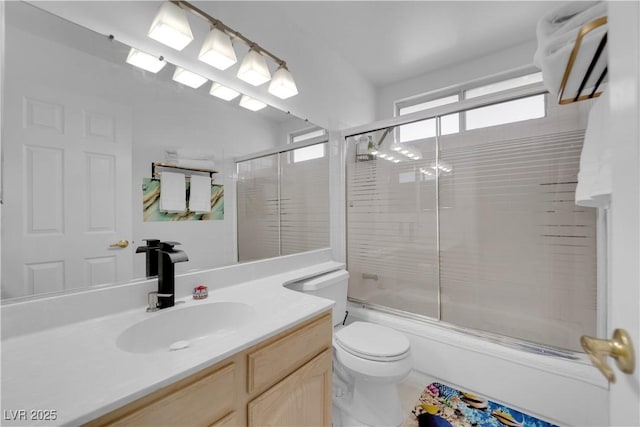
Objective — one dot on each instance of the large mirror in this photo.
(81, 129)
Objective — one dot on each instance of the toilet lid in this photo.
(373, 342)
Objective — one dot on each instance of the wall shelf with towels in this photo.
(155, 174)
(573, 72)
(151, 191)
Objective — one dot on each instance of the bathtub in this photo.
(552, 387)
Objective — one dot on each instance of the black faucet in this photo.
(167, 257)
(151, 251)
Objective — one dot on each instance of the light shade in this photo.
(217, 50)
(223, 92)
(145, 61)
(171, 27)
(251, 104)
(188, 78)
(282, 84)
(253, 69)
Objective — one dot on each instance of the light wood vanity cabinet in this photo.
(283, 381)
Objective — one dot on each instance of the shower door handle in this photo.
(619, 347)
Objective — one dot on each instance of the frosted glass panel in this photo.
(258, 209)
(391, 228)
(517, 256)
(486, 236)
(304, 194)
(283, 203)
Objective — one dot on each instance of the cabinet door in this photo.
(198, 404)
(274, 361)
(301, 399)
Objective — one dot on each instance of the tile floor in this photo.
(411, 388)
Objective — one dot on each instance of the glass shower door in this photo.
(392, 217)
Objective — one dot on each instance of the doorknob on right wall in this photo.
(619, 347)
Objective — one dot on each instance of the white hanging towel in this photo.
(200, 194)
(173, 194)
(557, 32)
(594, 178)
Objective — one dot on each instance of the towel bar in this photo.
(155, 174)
(586, 29)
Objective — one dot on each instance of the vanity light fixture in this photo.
(145, 60)
(223, 92)
(188, 78)
(253, 69)
(171, 27)
(217, 50)
(282, 84)
(251, 104)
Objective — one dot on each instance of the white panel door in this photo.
(67, 171)
(624, 288)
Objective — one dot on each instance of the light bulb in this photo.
(282, 84)
(145, 60)
(253, 69)
(217, 50)
(171, 27)
(223, 92)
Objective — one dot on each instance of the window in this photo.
(507, 112)
(503, 85)
(427, 128)
(308, 153)
(306, 135)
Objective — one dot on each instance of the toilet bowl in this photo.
(369, 360)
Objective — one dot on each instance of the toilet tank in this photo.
(332, 286)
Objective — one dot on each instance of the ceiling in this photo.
(390, 41)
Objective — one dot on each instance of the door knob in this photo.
(120, 244)
(619, 347)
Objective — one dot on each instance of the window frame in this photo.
(461, 91)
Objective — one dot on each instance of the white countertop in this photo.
(79, 372)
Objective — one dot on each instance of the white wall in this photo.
(479, 68)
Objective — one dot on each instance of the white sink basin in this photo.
(178, 328)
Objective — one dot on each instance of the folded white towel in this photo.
(567, 18)
(594, 178)
(200, 194)
(172, 192)
(557, 32)
(195, 164)
(189, 153)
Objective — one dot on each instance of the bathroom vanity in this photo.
(284, 381)
(253, 353)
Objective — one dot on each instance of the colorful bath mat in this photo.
(443, 406)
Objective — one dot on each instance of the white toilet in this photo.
(369, 360)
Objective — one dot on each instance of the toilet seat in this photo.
(373, 342)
